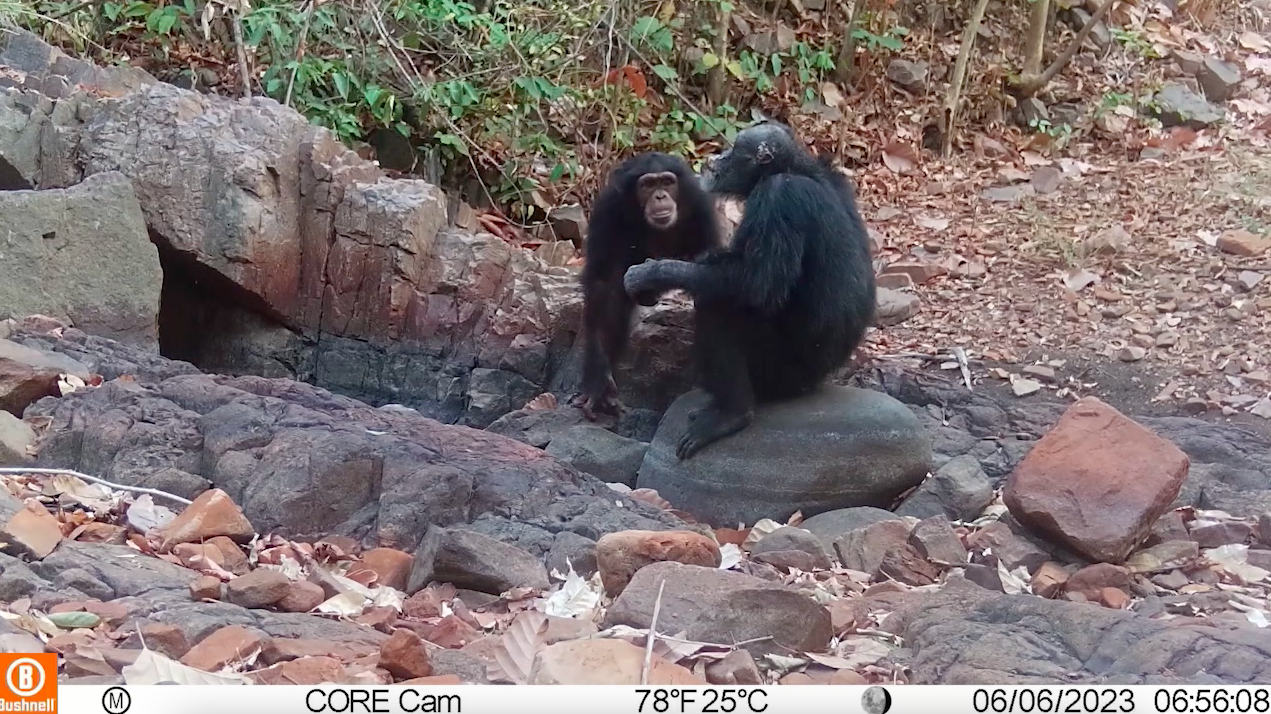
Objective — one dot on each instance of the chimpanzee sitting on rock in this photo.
(788, 301)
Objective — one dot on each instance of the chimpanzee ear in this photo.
(764, 153)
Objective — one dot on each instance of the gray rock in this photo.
(828, 526)
(714, 605)
(1178, 105)
(1218, 79)
(1069, 113)
(537, 427)
(470, 560)
(893, 307)
(1101, 36)
(768, 42)
(569, 223)
(572, 549)
(81, 254)
(836, 448)
(16, 437)
(935, 540)
(865, 548)
(1033, 110)
(788, 538)
(1189, 62)
(597, 451)
(495, 392)
(912, 76)
(967, 635)
(959, 490)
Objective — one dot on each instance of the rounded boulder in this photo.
(839, 447)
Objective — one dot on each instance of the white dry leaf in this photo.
(1079, 278)
(145, 515)
(1232, 558)
(1257, 617)
(348, 604)
(857, 652)
(677, 648)
(288, 566)
(575, 598)
(1013, 582)
(91, 495)
(831, 95)
(153, 668)
(830, 661)
(619, 487)
(68, 383)
(762, 527)
(520, 645)
(729, 556)
(1251, 40)
(935, 224)
(621, 632)
(389, 597)
(783, 664)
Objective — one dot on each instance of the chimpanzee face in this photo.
(658, 194)
(754, 154)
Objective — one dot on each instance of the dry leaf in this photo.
(1251, 40)
(935, 224)
(520, 645)
(546, 400)
(1079, 278)
(153, 668)
(575, 598)
(901, 158)
(831, 95)
(144, 515)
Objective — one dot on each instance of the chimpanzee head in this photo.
(757, 152)
(658, 194)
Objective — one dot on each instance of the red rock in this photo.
(405, 655)
(391, 565)
(94, 532)
(212, 514)
(1049, 579)
(167, 640)
(848, 677)
(1006, 546)
(259, 588)
(737, 667)
(228, 644)
(905, 565)
(863, 549)
(283, 649)
(302, 596)
(797, 678)
(604, 661)
(345, 544)
(379, 618)
(423, 605)
(1238, 241)
(112, 614)
(452, 633)
(205, 587)
(308, 670)
(1097, 482)
(1213, 535)
(894, 281)
(1092, 579)
(438, 679)
(619, 555)
(197, 555)
(32, 531)
(935, 540)
(842, 615)
(232, 557)
(1115, 598)
(22, 384)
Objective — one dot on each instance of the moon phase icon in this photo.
(876, 700)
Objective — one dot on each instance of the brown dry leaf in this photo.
(1032, 158)
(831, 94)
(1079, 279)
(546, 400)
(935, 224)
(87, 659)
(153, 668)
(519, 646)
(900, 158)
(736, 537)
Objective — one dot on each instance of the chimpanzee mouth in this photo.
(662, 218)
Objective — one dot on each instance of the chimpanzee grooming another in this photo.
(789, 300)
(652, 207)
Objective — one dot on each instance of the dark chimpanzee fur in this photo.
(789, 301)
(652, 207)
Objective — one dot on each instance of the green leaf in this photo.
(891, 43)
(75, 620)
(453, 142)
(665, 72)
(644, 27)
(709, 60)
(341, 82)
(734, 68)
(402, 128)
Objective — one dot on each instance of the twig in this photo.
(72, 9)
(845, 66)
(19, 471)
(241, 48)
(300, 49)
(948, 116)
(1030, 88)
(717, 82)
(653, 635)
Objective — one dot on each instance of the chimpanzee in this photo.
(653, 206)
(789, 300)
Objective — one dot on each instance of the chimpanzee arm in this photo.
(765, 261)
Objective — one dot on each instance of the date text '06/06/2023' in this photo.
(846, 699)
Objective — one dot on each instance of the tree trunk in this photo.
(717, 80)
(949, 116)
(1035, 47)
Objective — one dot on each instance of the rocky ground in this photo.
(512, 566)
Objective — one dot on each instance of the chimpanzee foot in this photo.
(708, 425)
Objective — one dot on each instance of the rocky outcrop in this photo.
(81, 254)
(838, 448)
(304, 461)
(287, 255)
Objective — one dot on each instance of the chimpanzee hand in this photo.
(655, 276)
